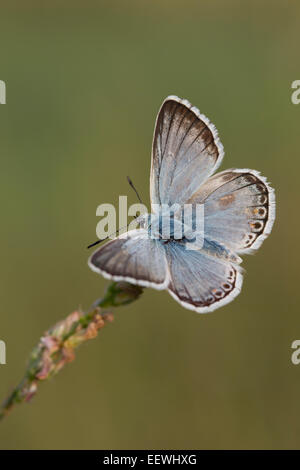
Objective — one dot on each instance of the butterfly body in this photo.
(165, 226)
(197, 262)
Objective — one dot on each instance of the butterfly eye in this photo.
(250, 179)
(218, 293)
(226, 286)
(257, 226)
(249, 237)
(260, 212)
(231, 276)
(210, 299)
(263, 198)
(260, 188)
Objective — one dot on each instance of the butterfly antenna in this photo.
(106, 238)
(134, 189)
(117, 231)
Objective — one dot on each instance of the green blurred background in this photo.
(84, 83)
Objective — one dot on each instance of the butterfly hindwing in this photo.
(200, 281)
(239, 209)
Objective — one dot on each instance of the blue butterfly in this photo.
(239, 211)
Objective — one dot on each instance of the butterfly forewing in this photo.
(133, 257)
(186, 151)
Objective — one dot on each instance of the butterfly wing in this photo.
(200, 281)
(239, 209)
(132, 257)
(186, 151)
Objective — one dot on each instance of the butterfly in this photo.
(239, 211)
